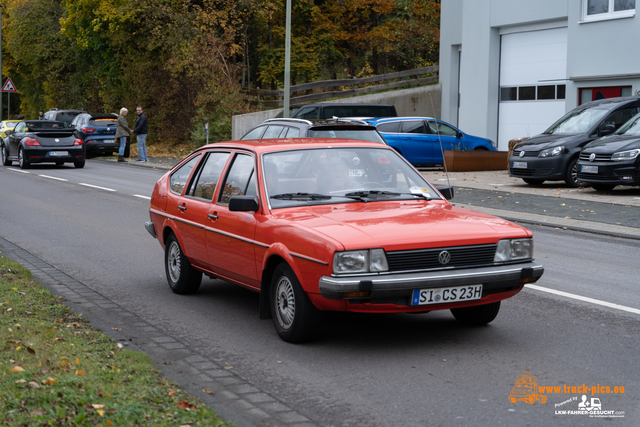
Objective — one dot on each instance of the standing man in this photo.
(140, 129)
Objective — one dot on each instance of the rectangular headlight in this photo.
(364, 261)
(514, 249)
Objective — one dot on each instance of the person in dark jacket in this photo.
(140, 130)
(122, 131)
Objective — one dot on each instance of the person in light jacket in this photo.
(122, 131)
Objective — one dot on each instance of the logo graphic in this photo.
(526, 389)
(444, 257)
(522, 154)
(356, 161)
(592, 157)
(594, 405)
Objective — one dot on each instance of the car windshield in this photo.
(632, 127)
(340, 175)
(577, 121)
(356, 133)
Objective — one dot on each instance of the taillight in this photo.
(88, 130)
(78, 141)
(31, 141)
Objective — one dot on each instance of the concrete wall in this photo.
(420, 101)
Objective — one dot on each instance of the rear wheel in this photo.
(532, 181)
(182, 277)
(603, 187)
(294, 316)
(477, 315)
(79, 164)
(5, 157)
(24, 163)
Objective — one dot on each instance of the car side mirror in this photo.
(243, 204)
(607, 129)
(446, 191)
(7, 132)
(459, 134)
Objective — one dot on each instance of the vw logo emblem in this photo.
(57, 140)
(522, 154)
(592, 157)
(444, 257)
(356, 161)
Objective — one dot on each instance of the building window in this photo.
(595, 10)
(532, 93)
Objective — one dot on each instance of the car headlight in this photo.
(514, 249)
(625, 155)
(366, 261)
(550, 152)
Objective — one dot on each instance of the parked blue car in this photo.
(418, 138)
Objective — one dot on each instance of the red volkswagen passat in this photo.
(332, 225)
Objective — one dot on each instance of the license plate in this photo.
(357, 172)
(446, 295)
(519, 165)
(588, 169)
(108, 141)
(58, 153)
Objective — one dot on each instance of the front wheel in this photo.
(5, 157)
(24, 163)
(477, 315)
(294, 316)
(182, 277)
(603, 187)
(571, 175)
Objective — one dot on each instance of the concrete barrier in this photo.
(421, 101)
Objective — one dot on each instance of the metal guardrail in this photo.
(259, 93)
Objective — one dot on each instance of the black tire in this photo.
(294, 316)
(481, 149)
(532, 181)
(24, 164)
(79, 164)
(571, 174)
(5, 157)
(603, 187)
(183, 279)
(477, 315)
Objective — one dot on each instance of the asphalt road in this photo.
(386, 370)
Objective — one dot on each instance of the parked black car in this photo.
(553, 155)
(66, 116)
(612, 160)
(299, 128)
(98, 132)
(42, 141)
(331, 110)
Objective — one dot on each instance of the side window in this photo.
(273, 131)
(389, 127)
(254, 133)
(293, 133)
(620, 117)
(20, 127)
(413, 126)
(308, 113)
(443, 129)
(179, 178)
(239, 178)
(203, 186)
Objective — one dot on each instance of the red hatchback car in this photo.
(332, 225)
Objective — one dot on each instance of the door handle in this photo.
(213, 216)
(182, 208)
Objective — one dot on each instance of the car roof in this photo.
(312, 123)
(610, 102)
(337, 104)
(280, 144)
(397, 119)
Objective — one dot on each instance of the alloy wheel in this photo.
(285, 303)
(173, 262)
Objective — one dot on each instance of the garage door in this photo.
(533, 66)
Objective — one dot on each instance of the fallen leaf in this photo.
(49, 381)
(77, 361)
(33, 384)
(97, 406)
(116, 329)
(17, 369)
(228, 367)
(206, 390)
(100, 412)
(21, 381)
(80, 372)
(31, 351)
(37, 412)
(172, 392)
(64, 363)
(186, 405)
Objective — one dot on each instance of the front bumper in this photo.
(149, 226)
(547, 168)
(494, 279)
(618, 173)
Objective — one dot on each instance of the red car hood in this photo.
(402, 225)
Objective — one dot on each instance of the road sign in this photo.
(9, 86)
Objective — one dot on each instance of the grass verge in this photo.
(56, 369)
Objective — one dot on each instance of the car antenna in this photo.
(444, 163)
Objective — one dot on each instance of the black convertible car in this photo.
(42, 141)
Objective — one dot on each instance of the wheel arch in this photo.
(265, 284)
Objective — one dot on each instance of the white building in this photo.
(510, 68)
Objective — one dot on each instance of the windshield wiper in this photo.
(301, 196)
(370, 194)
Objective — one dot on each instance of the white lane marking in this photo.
(95, 186)
(18, 170)
(585, 299)
(53, 177)
(142, 197)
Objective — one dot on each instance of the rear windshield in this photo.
(361, 134)
(67, 116)
(103, 122)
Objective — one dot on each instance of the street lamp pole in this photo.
(287, 61)
(0, 62)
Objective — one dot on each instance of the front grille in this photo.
(529, 172)
(599, 157)
(526, 153)
(594, 177)
(422, 259)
